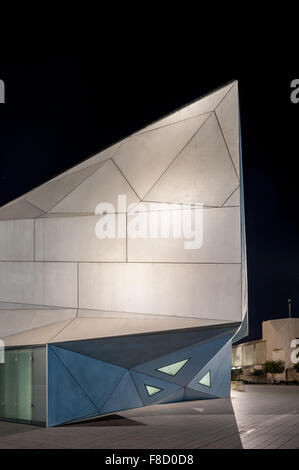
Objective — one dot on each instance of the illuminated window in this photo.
(206, 380)
(173, 369)
(152, 390)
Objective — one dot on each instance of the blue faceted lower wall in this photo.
(88, 378)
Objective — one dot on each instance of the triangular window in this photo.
(173, 369)
(206, 380)
(152, 390)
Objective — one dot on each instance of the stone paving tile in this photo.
(260, 417)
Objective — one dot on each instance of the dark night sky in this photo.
(62, 109)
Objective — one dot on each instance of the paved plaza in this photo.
(261, 416)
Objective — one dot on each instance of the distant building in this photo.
(275, 345)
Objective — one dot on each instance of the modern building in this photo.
(278, 343)
(99, 312)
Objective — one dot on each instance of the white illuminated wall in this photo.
(58, 281)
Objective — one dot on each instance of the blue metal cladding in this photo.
(81, 386)
(174, 397)
(66, 399)
(129, 351)
(198, 356)
(243, 331)
(219, 367)
(125, 396)
(98, 379)
(141, 380)
(191, 394)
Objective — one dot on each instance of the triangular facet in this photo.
(97, 378)
(99, 157)
(104, 185)
(234, 198)
(175, 397)
(199, 355)
(191, 394)
(143, 158)
(228, 115)
(173, 369)
(49, 194)
(41, 335)
(128, 351)
(204, 105)
(66, 399)
(219, 367)
(206, 379)
(124, 396)
(16, 321)
(152, 390)
(202, 173)
(19, 209)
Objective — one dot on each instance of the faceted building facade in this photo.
(96, 322)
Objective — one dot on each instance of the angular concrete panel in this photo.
(42, 335)
(75, 239)
(103, 186)
(228, 115)
(49, 194)
(219, 230)
(13, 322)
(53, 284)
(98, 158)
(143, 158)
(199, 291)
(203, 172)
(90, 327)
(19, 209)
(234, 199)
(17, 240)
(16, 306)
(204, 105)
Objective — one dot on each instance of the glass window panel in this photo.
(39, 385)
(10, 385)
(152, 390)
(24, 384)
(206, 380)
(173, 369)
(2, 372)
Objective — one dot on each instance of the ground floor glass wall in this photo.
(23, 385)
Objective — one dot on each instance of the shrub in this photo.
(274, 367)
(236, 373)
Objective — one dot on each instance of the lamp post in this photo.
(290, 307)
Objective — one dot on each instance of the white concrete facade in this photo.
(51, 258)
